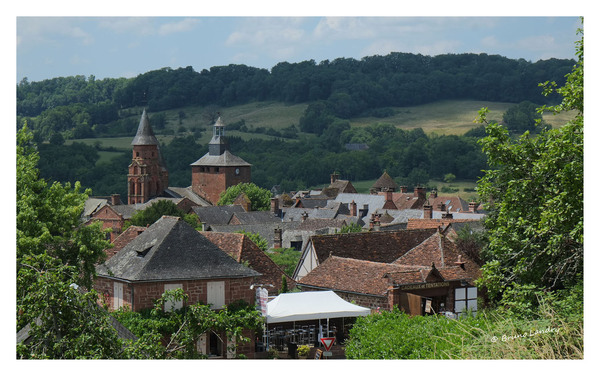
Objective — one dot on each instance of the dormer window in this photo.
(143, 252)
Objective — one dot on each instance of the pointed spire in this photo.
(144, 135)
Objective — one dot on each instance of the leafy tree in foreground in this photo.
(535, 194)
(55, 254)
(260, 198)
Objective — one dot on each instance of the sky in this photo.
(125, 46)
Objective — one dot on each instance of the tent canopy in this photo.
(311, 305)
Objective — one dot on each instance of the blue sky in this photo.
(48, 47)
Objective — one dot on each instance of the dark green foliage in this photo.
(535, 190)
(285, 258)
(522, 117)
(182, 328)
(352, 227)
(155, 211)
(260, 198)
(256, 239)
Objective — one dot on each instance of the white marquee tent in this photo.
(311, 305)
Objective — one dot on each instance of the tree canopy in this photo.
(260, 198)
(534, 188)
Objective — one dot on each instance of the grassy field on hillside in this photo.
(449, 117)
(443, 118)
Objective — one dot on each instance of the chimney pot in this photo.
(334, 177)
(427, 211)
(115, 199)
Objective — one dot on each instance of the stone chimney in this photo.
(334, 177)
(473, 206)
(433, 194)
(460, 262)
(447, 215)
(403, 189)
(377, 222)
(353, 209)
(441, 206)
(304, 216)
(364, 211)
(115, 199)
(420, 192)
(277, 238)
(275, 206)
(427, 211)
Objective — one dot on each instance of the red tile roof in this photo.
(375, 246)
(242, 249)
(423, 223)
(123, 239)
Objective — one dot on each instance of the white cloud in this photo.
(186, 24)
(50, 30)
(537, 43)
(129, 25)
(268, 32)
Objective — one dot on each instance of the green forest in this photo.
(293, 156)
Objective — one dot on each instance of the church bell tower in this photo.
(148, 176)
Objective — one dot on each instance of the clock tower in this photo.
(218, 169)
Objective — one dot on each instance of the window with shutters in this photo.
(215, 294)
(117, 295)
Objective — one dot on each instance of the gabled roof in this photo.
(453, 204)
(385, 182)
(188, 193)
(217, 215)
(242, 249)
(123, 239)
(372, 246)
(444, 253)
(361, 276)
(171, 249)
(92, 205)
(144, 135)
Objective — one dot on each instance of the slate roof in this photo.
(378, 246)
(188, 193)
(266, 230)
(217, 215)
(144, 135)
(314, 224)
(385, 181)
(225, 159)
(242, 249)
(170, 249)
(92, 205)
(253, 217)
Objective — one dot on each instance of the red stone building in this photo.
(218, 169)
(148, 176)
(170, 254)
(429, 277)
